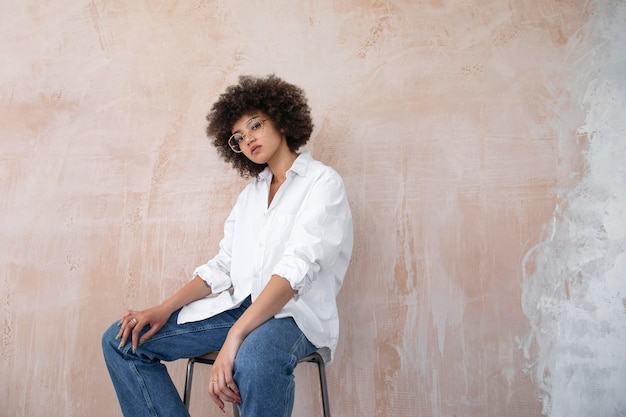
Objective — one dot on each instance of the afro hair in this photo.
(284, 103)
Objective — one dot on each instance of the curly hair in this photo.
(286, 104)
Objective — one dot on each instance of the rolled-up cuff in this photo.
(295, 271)
(215, 278)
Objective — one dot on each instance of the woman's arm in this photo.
(156, 316)
(194, 290)
(270, 301)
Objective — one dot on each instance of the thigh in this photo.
(276, 336)
(175, 341)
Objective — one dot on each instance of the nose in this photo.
(248, 138)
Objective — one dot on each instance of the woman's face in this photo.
(258, 138)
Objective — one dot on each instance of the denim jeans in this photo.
(263, 368)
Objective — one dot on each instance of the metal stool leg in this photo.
(187, 395)
(324, 387)
(321, 368)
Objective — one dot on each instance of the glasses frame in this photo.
(236, 138)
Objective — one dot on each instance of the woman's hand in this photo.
(222, 386)
(134, 321)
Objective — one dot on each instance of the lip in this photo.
(254, 149)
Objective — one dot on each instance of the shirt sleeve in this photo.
(216, 272)
(321, 228)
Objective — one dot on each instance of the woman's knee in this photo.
(109, 337)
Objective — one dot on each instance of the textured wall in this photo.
(574, 288)
(481, 143)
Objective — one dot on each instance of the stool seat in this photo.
(210, 357)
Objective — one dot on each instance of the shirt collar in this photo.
(300, 166)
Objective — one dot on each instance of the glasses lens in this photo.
(234, 142)
(256, 129)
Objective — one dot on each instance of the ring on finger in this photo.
(133, 321)
(214, 381)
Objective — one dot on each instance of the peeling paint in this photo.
(574, 284)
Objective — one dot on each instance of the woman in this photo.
(267, 298)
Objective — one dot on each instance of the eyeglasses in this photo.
(255, 130)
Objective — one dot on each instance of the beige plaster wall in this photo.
(454, 124)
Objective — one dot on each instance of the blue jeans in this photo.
(263, 368)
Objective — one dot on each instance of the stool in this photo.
(209, 359)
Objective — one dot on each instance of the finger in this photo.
(135, 334)
(147, 335)
(153, 328)
(125, 320)
(222, 389)
(233, 387)
(124, 333)
(230, 385)
(227, 393)
(126, 327)
(214, 395)
(128, 315)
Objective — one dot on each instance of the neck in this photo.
(280, 167)
(278, 180)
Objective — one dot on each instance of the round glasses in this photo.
(255, 130)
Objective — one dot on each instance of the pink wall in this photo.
(456, 126)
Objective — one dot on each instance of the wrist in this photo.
(169, 306)
(236, 333)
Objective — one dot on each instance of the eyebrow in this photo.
(247, 123)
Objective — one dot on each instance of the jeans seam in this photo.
(178, 332)
(144, 390)
(289, 407)
(296, 345)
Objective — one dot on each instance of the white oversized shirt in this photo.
(304, 236)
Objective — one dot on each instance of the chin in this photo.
(258, 159)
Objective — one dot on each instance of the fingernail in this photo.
(119, 323)
(119, 334)
(141, 342)
(134, 349)
(120, 346)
